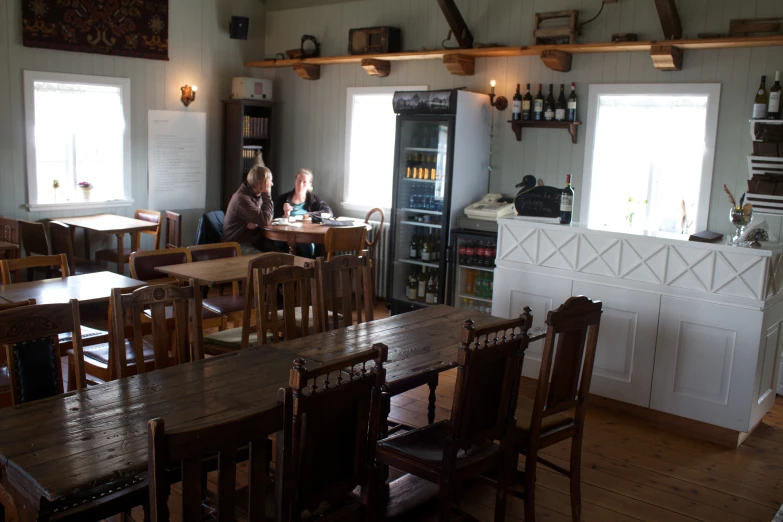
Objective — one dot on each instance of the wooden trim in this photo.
(308, 71)
(559, 61)
(374, 67)
(666, 58)
(460, 65)
(536, 50)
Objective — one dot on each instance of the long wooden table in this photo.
(56, 451)
(87, 288)
(217, 271)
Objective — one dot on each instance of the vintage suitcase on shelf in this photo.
(374, 40)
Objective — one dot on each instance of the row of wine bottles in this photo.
(423, 287)
(766, 106)
(526, 108)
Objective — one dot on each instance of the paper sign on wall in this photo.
(177, 150)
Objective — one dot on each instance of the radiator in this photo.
(382, 267)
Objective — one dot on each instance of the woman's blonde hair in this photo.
(307, 173)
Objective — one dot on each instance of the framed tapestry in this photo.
(136, 28)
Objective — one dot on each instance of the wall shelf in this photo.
(571, 126)
(449, 55)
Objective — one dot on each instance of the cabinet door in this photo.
(705, 362)
(514, 291)
(626, 342)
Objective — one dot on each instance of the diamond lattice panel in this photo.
(642, 261)
(557, 249)
(599, 255)
(690, 268)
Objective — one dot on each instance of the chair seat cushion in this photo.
(232, 338)
(225, 304)
(205, 313)
(524, 416)
(100, 352)
(425, 446)
(88, 334)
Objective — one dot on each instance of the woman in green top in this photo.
(300, 202)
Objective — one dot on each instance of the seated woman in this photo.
(301, 202)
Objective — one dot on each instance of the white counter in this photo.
(691, 329)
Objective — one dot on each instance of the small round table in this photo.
(306, 233)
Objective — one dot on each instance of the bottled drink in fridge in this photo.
(413, 287)
(469, 253)
(470, 282)
(431, 296)
(414, 250)
(566, 202)
(421, 291)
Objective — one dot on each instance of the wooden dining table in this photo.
(299, 232)
(109, 224)
(218, 271)
(64, 451)
(86, 288)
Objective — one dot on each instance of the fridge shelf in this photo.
(420, 149)
(423, 180)
(417, 224)
(473, 267)
(422, 211)
(470, 296)
(419, 263)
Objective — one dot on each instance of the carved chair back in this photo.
(152, 216)
(173, 230)
(293, 282)
(9, 232)
(340, 284)
(30, 337)
(52, 264)
(344, 239)
(188, 337)
(265, 263)
(336, 418)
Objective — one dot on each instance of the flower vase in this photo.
(86, 193)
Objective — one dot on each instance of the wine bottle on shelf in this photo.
(538, 106)
(516, 113)
(527, 105)
(560, 105)
(571, 111)
(760, 103)
(426, 249)
(413, 286)
(549, 105)
(421, 290)
(414, 251)
(431, 296)
(566, 202)
(773, 110)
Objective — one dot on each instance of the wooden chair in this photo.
(5, 377)
(9, 232)
(544, 421)
(173, 230)
(187, 449)
(335, 409)
(337, 283)
(188, 342)
(239, 338)
(232, 305)
(54, 266)
(30, 335)
(344, 239)
(293, 282)
(109, 255)
(34, 242)
(372, 244)
(62, 243)
(485, 397)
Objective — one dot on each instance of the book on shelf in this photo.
(248, 158)
(253, 127)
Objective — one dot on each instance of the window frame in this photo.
(711, 90)
(29, 79)
(351, 92)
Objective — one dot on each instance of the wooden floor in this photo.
(634, 471)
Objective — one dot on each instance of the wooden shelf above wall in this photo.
(571, 126)
(534, 50)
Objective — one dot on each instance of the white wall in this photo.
(312, 113)
(200, 53)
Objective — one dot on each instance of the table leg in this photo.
(26, 511)
(87, 254)
(292, 244)
(121, 253)
(433, 384)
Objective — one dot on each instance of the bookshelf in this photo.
(247, 129)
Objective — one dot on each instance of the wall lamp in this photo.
(188, 94)
(501, 103)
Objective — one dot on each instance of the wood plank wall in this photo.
(313, 112)
(200, 53)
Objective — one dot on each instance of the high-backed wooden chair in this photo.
(142, 264)
(30, 335)
(343, 285)
(109, 255)
(34, 242)
(5, 378)
(335, 418)
(62, 243)
(188, 342)
(485, 397)
(188, 448)
(242, 337)
(173, 230)
(558, 411)
(229, 305)
(293, 283)
(372, 244)
(344, 239)
(9, 232)
(54, 266)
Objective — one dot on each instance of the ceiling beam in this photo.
(456, 23)
(670, 19)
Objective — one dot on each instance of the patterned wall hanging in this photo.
(137, 28)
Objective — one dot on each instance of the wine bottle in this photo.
(773, 111)
(413, 287)
(566, 202)
(516, 113)
(431, 296)
(414, 251)
(421, 291)
(560, 105)
(538, 106)
(549, 105)
(571, 112)
(527, 103)
(760, 103)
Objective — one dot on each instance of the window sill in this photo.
(78, 205)
(361, 207)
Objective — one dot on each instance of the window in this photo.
(369, 146)
(649, 157)
(78, 131)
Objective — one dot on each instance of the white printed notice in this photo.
(177, 145)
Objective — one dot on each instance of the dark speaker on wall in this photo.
(238, 27)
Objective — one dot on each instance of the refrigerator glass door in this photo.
(474, 265)
(418, 215)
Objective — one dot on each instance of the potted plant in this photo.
(86, 187)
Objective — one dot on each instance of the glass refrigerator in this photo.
(472, 266)
(440, 167)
